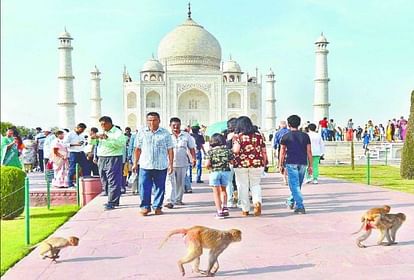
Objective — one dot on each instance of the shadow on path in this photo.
(90, 259)
(265, 269)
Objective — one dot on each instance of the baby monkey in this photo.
(51, 247)
(199, 237)
(370, 215)
(388, 225)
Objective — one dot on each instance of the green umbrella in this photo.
(217, 127)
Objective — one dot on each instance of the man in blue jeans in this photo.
(155, 156)
(295, 156)
(199, 140)
(75, 141)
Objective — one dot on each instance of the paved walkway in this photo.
(120, 244)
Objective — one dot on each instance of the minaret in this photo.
(66, 102)
(321, 95)
(270, 101)
(95, 97)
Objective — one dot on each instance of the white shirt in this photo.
(73, 138)
(318, 147)
(48, 144)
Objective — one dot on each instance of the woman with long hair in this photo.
(9, 149)
(250, 158)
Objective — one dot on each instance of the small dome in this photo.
(65, 35)
(231, 66)
(190, 45)
(322, 39)
(152, 65)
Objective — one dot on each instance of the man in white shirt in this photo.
(318, 150)
(75, 141)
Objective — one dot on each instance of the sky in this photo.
(370, 61)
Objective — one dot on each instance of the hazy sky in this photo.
(371, 59)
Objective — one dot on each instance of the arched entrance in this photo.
(193, 106)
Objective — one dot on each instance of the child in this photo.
(366, 139)
(218, 160)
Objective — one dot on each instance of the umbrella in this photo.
(217, 127)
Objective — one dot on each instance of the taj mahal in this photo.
(188, 79)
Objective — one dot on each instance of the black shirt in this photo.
(199, 140)
(296, 147)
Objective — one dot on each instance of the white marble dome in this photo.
(152, 65)
(190, 46)
(231, 66)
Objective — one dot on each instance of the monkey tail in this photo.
(171, 233)
(362, 226)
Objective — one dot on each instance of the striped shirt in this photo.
(154, 148)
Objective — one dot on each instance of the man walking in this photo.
(199, 140)
(183, 142)
(40, 140)
(110, 152)
(74, 142)
(296, 154)
(155, 155)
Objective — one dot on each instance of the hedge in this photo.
(11, 192)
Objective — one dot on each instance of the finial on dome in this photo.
(189, 10)
(230, 57)
(153, 56)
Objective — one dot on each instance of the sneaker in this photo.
(315, 182)
(158, 211)
(225, 211)
(290, 205)
(144, 211)
(180, 203)
(257, 209)
(108, 206)
(169, 205)
(245, 213)
(188, 191)
(220, 215)
(308, 181)
(232, 205)
(300, 211)
(200, 181)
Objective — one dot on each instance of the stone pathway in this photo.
(120, 244)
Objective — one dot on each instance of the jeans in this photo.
(296, 174)
(249, 178)
(80, 158)
(40, 162)
(147, 179)
(199, 165)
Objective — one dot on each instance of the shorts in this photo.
(219, 178)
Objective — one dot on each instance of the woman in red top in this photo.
(250, 158)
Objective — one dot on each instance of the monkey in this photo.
(200, 237)
(51, 247)
(370, 215)
(388, 224)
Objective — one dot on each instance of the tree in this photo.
(23, 131)
(407, 158)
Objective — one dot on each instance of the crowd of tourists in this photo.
(395, 130)
(157, 163)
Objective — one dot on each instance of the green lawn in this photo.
(43, 222)
(381, 175)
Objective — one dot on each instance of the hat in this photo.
(48, 129)
(195, 125)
